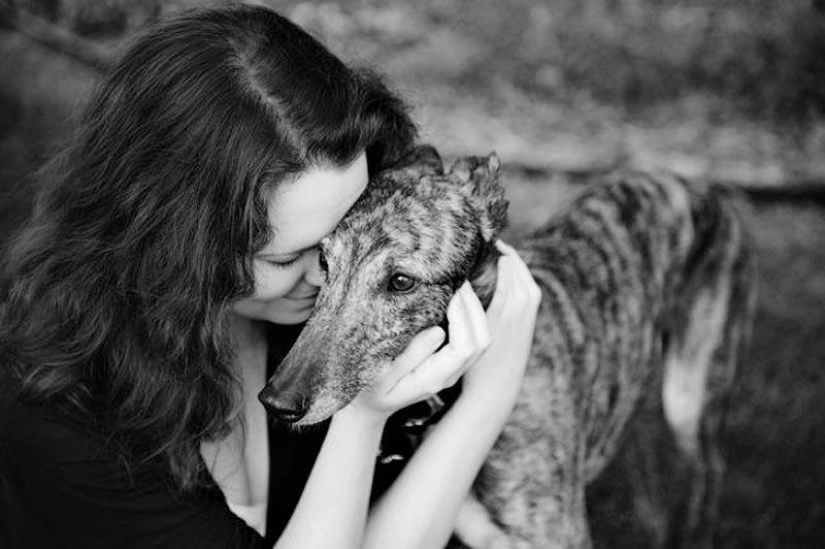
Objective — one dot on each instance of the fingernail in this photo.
(435, 335)
(503, 247)
(462, 294)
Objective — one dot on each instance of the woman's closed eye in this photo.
(285, 260)
(282, 262)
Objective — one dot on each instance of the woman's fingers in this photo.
(505, 248)
(511, 317)
(476, 316)
(392, 390)
(469, 337)
(503, 288)
(467, 324)
(516, 289)
(420, 348)
(521, 272)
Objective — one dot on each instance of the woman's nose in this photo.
(315, 272)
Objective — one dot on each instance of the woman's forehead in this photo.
(309, 207)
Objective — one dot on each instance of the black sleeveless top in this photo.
(61, 484)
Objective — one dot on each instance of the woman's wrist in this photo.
(353, 417)
(494, 395)
(336, 496)
(485, 410)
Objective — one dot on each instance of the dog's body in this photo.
(647, 286)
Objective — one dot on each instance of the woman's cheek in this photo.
(273, 282)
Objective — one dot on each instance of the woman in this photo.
(171, 248)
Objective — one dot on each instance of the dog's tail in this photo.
(711, 324)
(710, 318)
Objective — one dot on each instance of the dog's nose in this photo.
(284, 406)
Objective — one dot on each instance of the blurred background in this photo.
(728, 90)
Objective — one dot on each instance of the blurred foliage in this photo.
(767, 58)
(96, 18)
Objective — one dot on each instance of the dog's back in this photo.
(648, 285)
(641, 267)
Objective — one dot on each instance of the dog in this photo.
(647, 286)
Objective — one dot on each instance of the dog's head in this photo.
(392, 266)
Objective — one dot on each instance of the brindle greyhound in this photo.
(647, 285)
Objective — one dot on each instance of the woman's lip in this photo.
(306, 297)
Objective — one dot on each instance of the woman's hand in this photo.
(420, 372)
(496, 378)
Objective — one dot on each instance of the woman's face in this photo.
(287, 270)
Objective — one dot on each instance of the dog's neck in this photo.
(483, 274)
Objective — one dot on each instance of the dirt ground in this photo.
(775, 489)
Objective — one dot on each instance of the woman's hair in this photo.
(116, 293)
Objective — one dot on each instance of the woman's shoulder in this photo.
(44, 431)
(62, 481)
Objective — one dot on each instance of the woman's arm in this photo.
(420, 509)
(333, 507)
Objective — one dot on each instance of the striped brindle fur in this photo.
(647, 285)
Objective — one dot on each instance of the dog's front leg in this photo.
(532, 484)
(476, 529)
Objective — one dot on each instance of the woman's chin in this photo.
(294, 313)
(284, 311)
(288, 319)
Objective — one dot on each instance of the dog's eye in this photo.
(401, 283)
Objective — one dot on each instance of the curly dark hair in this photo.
(117, 291)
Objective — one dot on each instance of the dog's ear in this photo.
(422, 156)
(481, 174)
